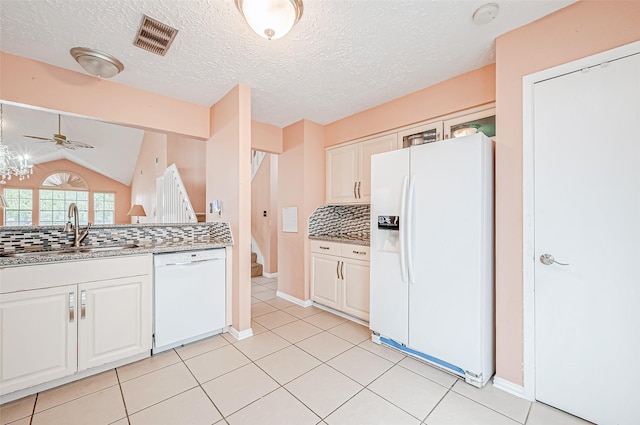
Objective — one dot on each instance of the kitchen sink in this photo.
(79, 250)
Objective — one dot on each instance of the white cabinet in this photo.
(54, 325)
(340, 277)
(481, 121)
(424, 133)
(349, 169)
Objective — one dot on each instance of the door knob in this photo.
(547, 260)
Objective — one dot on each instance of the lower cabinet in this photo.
(340, 277)
(57, 331)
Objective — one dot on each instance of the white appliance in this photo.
(432, 254)
(189, 297)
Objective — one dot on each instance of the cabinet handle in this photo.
(338, 269)
(359, 197)
(342, 271)
(324, 247)
(360, 252)
(72, 307)
(83, 303)
(355, 195)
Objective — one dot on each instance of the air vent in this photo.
(155, 36)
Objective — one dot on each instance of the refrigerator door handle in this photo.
(403, 221)
(409, 227)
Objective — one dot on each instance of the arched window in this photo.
(58, 191)
(65, 181)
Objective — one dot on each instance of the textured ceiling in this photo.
(343, 56)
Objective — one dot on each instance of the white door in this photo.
(38, 331)
(355, 288)
(325, 280)
(114, 320)
(587, 215)
(342, 175)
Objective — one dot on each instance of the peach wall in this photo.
(29, 82)
(465, 91)
(301, 170)
(266, 137)
(272, 266)
(228, 154)
(143, 182)
(577, 31)
(96, 182)
(261, 226)
(189, 157)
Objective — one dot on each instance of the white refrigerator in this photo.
(432, 249)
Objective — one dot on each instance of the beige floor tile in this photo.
(155, 362)
(302, 312)
(371, 409)
(296, 331)
(409, 391)
(276, 408)
(123, 421)
(229, 338)
(280, 303)
(353, 332)
(455, 409)
(287, 364)
(210, 365)
(429, 372)
(23, 421)
(102, 407)
(257, 328)
(261, 345)
(265, 295)
(255, 300)
(325, 320)
(275, 319)
(542, 414)
(201, 347)
(263, 279)
(77, 389)
(17, 409)
(261, 308)
(390, 354)
(191, 407)
(509, 405)
(360, 365)
(323, 389)
(271, 285)
(154, 387)
(324, 346)
(237, 389)
(256, 289)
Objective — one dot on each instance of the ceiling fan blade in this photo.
(37, 137)
(77, 144)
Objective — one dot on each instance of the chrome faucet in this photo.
(78, 236)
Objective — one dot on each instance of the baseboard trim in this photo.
(270, 275)
(508, 387)
(297, 301)
(247, 333)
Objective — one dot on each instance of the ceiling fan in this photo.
(61, 140)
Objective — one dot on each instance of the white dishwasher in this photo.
(189, 297)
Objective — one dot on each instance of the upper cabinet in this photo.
(349, 169)
(482, 121)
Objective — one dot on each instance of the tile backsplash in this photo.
(351, 221)
(54, 237)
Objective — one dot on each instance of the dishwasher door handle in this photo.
(186, 263)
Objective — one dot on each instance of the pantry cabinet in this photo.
(54, 325)
(349, 169)
(340, 277)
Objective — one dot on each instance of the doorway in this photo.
(582, 236)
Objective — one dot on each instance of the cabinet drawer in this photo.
(324, 247)
(357, 252)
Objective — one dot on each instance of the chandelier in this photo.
(11, 164)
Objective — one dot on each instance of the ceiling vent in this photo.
(155, 36)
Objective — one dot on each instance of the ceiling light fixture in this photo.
(270, 19)
(97, 63)
(11, 164)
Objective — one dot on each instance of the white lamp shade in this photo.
(271, 19)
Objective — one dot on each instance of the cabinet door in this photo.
(38, 331)
(482, 121)
(342, 175)
(366, 150)
(325, 280)
(425, 133)
(356, 288)
(114, 320)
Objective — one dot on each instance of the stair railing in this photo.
(173, 203)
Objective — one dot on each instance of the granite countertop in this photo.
(343, 238)
(9, 261)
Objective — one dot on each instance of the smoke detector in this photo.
(155, 36)
(485, 14)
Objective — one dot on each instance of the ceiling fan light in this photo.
(97, 63)
(271, 19)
